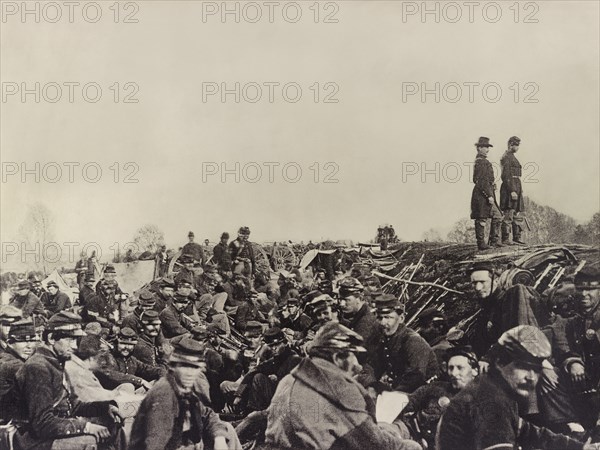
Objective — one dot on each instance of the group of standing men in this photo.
(505, 217)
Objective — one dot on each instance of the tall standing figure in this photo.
(483, 199)
(511, 194)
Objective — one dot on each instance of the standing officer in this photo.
(511, 194)
(194, 249)
(242, 254)
(483, 198)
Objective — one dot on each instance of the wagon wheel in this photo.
(284, 258)
(261, 259)
(174, 266)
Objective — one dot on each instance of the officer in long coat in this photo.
(483, 198)
(511, 194)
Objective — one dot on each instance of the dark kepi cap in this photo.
(514, 140)
(430, 315)
(200, 333)
(167, 282)
(349, 286)
(127, 336)
(150, 317)
(187, 351)
(225, 235)
(110, 269)
(462, 350)
(52, 283)
(22, 331)
(66, 323)
(481, 265)
(147, 299)
(244, 231)
(191, 234)
(293, 301)
(273, 336)
(254, 327)
(526, 344)
(587, 278)
(321, 303)
(24, 284)
(9, 314)
(483, 142)
(388, 303)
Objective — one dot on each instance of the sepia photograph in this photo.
(300, 225)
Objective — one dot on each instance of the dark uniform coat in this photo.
(119, 370)
(195, 250)
(150, 351)
(485, 414)
(11, 408)
(29, 304)
(365, 323)
(52, 411)
(239, 250)
(173, 323)
(56, 303)
(405, 358)
(85, 293)
(483, 177)
(511, 182)
(222, 257)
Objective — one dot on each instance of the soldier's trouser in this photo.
(511, 221)
(85, 442)
(261, 392)
(559, 405)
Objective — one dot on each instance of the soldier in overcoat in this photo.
(483, 198)
(511, 194)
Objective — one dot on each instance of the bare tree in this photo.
(462, 232)
(36, 232)
(149, 238)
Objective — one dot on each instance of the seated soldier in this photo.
(21, 343)
(319, 405)
(166, 291)
(87, 290)
(403, 360)
(258, 385)
(57, 418)
(27, 301)
(8, 315)
(152, 347)
(181, 421)
(420, 417)
(293, 320)
(175, 318)
(248, 311)
(54, 300)
(146, 302)
(122, 367)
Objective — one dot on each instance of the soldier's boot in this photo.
(495, 234)
(506, 234)
(517, 234)
(480, 235)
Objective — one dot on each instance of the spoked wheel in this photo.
(283, 258)
(261, 259)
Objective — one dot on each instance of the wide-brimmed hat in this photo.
(483, 142)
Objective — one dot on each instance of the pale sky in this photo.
(372, 135)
